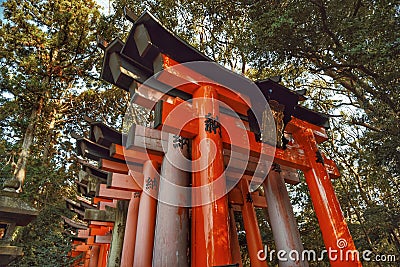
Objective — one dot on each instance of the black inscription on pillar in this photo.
(212, 124)
(136, 195)
(276, 167)
(180, 141)
(151, 183)
(249, 199)
(320, 159)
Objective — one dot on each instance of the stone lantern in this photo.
(13, 212)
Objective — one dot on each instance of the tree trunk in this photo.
(20, 170)
(48, 145)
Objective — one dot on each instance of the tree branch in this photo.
(357, 6)
(366, 125)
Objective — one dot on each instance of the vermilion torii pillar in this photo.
(235, 247)
(283, 222)
(128, 249)
(94, 256)
(210, 225)
(103, 255)
(147, 215)
(335, 232)
(172, 221)
(253, 237)
(172, 233)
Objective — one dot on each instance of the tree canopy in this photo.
(48, 81)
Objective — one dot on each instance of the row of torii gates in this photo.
(128, 226)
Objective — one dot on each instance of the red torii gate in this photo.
(122, 181)
(150, 48)
(325, 202)
(88, 244)
(118, 181)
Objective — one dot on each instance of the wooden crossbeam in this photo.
(99, 223)
(125, 182)
(100, 215)
(103, 191)
(144, 137)
(152, 139)
(85, 204)
(103, 204)
(133, 154)
(74, 224)
(83, 233)
(93, 150)
(99, 230)
(235, 198)
(241, 139)
(97, 200)
(174, 73)
(318, 131)
(112, 166)
(81, 248)
(103, 134)
(103, 239)
(147, 97)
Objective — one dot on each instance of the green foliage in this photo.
(48, 82)
(43, 240)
